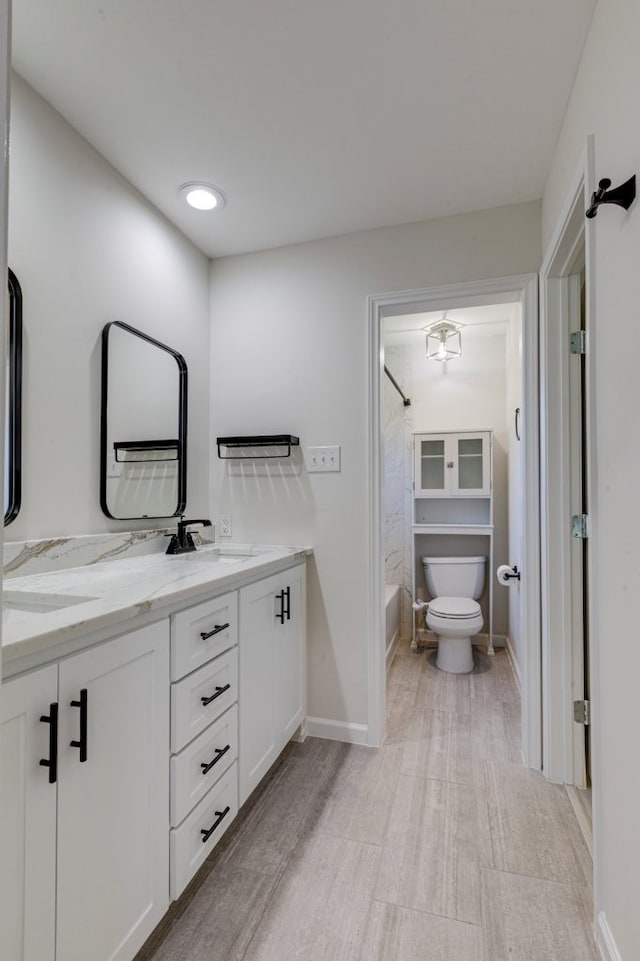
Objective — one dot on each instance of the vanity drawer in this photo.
(198, 699)
(217, 749)
(188, 846)
(203, 632)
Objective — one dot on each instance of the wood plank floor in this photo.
(439, 846)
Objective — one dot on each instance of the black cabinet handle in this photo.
(52, 761)
(219, 752)
(288, 610)
(280, 615)
(517, 423)
(219, 816)
(216, 630)
(82, 743)
(219, 691)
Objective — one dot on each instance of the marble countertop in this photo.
(44, 611)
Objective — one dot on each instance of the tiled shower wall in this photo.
(397, 427)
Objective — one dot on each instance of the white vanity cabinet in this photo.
(204, 732)
(272, 671)
(94, 880)
(124, 763)
(28, 793)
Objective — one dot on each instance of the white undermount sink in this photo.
(31, 602)
(226, 553)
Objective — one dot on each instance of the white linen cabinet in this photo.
(110, 799)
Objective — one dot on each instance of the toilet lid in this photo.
(454, 607)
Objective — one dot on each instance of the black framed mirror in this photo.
(143, 426)
(13, 405)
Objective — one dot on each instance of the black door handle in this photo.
(52, 761)
(216, 630)
(218, 692)
(219, 752)
(517, 423)
(82, 743)
(206, 834)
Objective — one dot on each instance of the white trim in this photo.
(337, 730)
(584, 823)
(525, 288)
(514, 662)
(604, 940)
(391, 650)
(560, 674)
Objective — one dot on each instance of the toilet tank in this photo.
(454, 576)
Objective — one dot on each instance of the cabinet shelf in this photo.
(453, 528)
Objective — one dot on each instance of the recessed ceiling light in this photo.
(202, 196)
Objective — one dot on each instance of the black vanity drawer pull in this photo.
(219, 752)
(288, 610)
(82, 743)
(216, 630)
(52, 762)
(219, 691)
(280, 615)
(219, 816)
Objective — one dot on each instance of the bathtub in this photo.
(392, 617)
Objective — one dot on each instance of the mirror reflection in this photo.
(13, 404)
(143, 425)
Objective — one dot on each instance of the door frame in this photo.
(562, 644)
(523, 287)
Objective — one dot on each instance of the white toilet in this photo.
(453, 614)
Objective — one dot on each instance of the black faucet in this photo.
(182, 542)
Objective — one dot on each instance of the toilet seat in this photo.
(454, 608)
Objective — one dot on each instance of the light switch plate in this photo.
(322, 459)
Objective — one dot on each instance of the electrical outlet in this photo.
(224, 525)
(322, 459)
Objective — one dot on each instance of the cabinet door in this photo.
(113, 808)
(471, 457)
(432, 475)
(290, 639)
(28, 819)
(258, 673)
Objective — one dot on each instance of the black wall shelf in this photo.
(170, 449)
(245, 446)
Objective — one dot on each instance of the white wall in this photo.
(605, 103)
(289, 353)
(88, 249)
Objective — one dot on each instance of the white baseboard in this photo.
(604, 940)
(337, 730)
(391, 650)
(428, 639)
(514, 663)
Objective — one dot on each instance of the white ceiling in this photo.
(316, 117)
(484, 321)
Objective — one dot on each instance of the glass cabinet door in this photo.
(431, 474)
(472, 475)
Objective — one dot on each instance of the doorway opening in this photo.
(501, 389)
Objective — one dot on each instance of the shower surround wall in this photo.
(397, 422)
